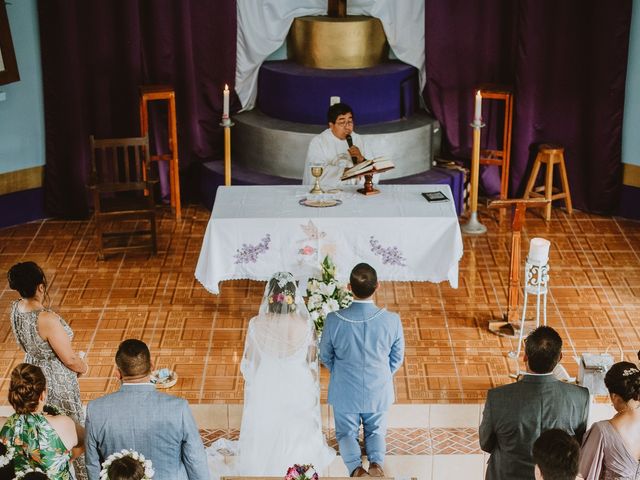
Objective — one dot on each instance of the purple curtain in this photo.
(95, 55)
(567, 63)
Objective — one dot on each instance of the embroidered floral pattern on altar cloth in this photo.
(249, 253)
(390, 255)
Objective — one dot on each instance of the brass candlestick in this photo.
(316, 171)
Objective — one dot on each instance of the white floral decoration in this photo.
(23, 473)
(630, 371)
(326, 294)
(8, 456)
(148, 468)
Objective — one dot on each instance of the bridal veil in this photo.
(281, 422)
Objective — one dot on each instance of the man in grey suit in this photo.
(137, 417)
(516, 414)
(362, 346)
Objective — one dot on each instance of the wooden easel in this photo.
(513, 296)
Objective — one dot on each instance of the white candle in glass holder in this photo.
(539, 250)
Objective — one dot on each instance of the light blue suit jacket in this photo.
(159, 426)
(362, 346)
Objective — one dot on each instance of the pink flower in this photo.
(307, 250)
(292, 473)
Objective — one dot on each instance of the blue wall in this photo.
(631, 125)
(22, 113)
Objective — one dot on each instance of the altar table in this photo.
(255, 231)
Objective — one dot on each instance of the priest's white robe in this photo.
(329, 151)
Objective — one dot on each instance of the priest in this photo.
(336, 149)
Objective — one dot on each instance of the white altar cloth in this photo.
(255, 231)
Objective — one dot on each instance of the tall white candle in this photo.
(225, 102)
(539, 250)
(477, 113)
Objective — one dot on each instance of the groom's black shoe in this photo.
(375, 470)
(359, 472)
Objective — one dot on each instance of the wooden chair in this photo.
(122, 193)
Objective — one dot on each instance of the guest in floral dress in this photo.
(40, 441)
(46, 340)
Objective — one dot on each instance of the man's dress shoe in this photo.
(375, 470)
(359, 472)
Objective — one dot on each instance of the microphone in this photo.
(350, 143)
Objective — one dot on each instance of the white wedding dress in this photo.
(281, 422)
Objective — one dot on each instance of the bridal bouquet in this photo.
(326, 294)
(301, 472)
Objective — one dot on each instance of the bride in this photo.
(281, 423)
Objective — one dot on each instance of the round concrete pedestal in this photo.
(277, 147)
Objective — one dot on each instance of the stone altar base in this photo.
(276, 147)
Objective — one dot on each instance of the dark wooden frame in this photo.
(10, 72)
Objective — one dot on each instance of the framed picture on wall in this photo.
(8, 65)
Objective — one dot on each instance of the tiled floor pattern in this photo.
(594, 302)
(400, 441)
(443, 446)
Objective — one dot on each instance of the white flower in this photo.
(326, 309)
(333, 304)
(8, 456)
(315, 315)
(314, 300)
(312, 286)
(327, 289)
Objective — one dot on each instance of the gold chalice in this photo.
(316, 171)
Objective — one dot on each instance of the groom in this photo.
(362, 346)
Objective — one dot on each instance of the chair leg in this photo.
(154, 240)
(548, 188)
(99, 238)
(532, 178)
(565, 187)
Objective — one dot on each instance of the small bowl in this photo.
(164, 378)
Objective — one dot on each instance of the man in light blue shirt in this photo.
(137, 417)
(362, 346)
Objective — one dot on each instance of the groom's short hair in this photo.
(363, 280)
(133, 358)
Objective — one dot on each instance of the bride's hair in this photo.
(281, 292)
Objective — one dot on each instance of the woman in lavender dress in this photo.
(611, 448)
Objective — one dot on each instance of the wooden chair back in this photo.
(122, 191)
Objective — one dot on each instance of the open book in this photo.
(377, 165)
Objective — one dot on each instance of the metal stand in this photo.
(227, 124)
(473, 226)
(536, 280)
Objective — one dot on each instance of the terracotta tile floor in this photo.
(594, 302)
(400, 441)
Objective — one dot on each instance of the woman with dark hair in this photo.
(611, 448)
(40, 441)
(127, 465)
(46, 340)
(125, 468)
